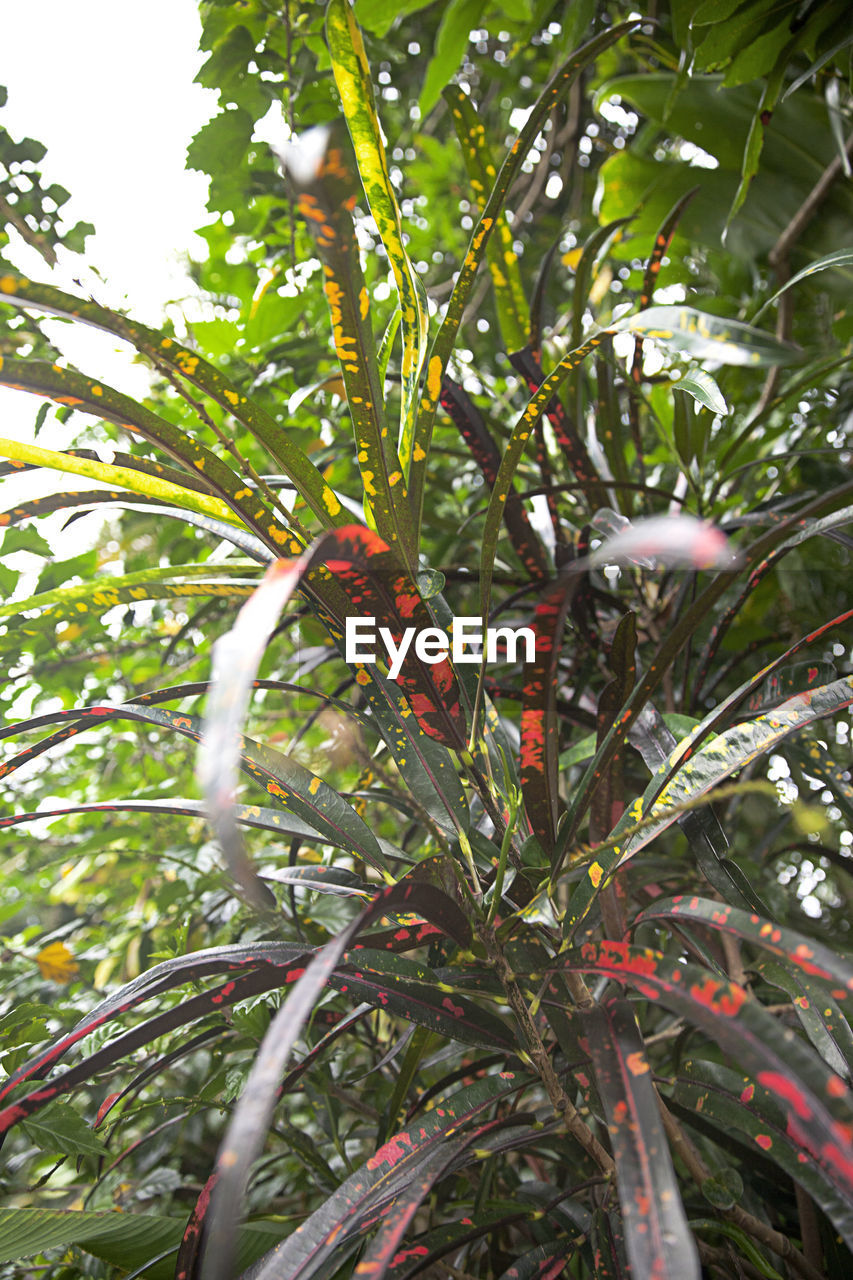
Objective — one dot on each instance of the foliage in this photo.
(587, 1014)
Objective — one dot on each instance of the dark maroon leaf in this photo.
(657, 1238)
(250, 1121)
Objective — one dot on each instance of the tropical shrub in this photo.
(530, 967)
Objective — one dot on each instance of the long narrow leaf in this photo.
(352, 74)
(363, 1195)
(324, 198)
(510, 302)
(249, 1123)
(445, 339)
(68, 387)
(817, 1104)
(658, 1241)
(168, 352)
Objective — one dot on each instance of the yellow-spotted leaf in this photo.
(166, 353)
(352, 75)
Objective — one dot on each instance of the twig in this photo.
(33, 238)
(540, 1059)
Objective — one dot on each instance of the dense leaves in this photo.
(522, 947)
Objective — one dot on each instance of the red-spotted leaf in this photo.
(412, 991)
(657, 1238)
(817, 1012)
(545, 1262)
(607, 1238)
(814, 958)
(213, 1001)
(393, 1226)
(250, 1120)
(817, 1104)
(540, 745)
(317, 1246)
(707, 1093)
(378, 588)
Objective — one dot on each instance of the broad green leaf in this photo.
(60, 1130)
(708, 337)
(126, 1240)
(380, 15)
(457, 21)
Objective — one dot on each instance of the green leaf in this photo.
(185, 363)
(503, 262)
(444, 341)
(126, 1240)
(352, 74)
(380, 15)
(840, 258)
(59, 1128)
(324, 198)
(704, 390)
(457, 21)
(708, 337)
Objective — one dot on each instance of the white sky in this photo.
(107, 87)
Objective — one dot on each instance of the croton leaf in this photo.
(249, 1123)
(657, 1238)
(337, 1225)
(379, 586)
(816, 1103)
(166, 352)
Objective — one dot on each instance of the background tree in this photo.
(480, 1067)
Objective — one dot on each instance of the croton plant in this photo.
(499, 978)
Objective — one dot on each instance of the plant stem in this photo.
(540, 1058)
